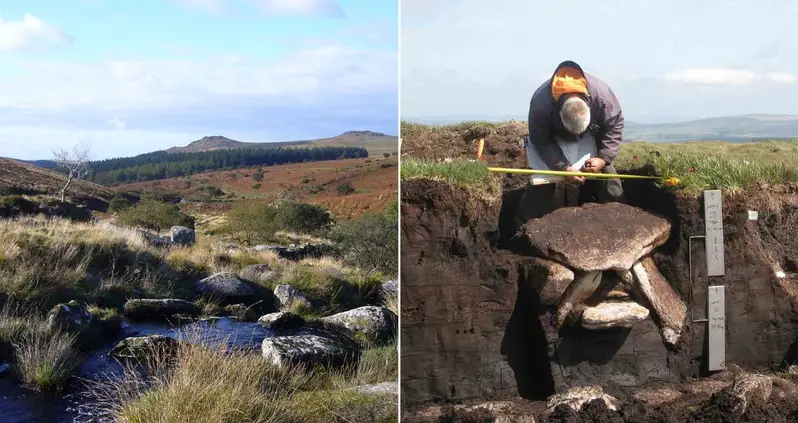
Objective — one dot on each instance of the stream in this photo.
(22, 405)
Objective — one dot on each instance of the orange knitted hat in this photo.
(568, 80)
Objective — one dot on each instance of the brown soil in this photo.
(374, 179)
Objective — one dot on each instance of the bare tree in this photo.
(76, 163)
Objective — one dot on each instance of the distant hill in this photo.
(376, 143)
(726, 128)
(24, 177)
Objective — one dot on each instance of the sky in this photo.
(131, 77)
(665, 60)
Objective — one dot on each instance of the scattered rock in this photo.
(750, 389)
(159, 309)
(241, 311)
(259, 273)
(283, 320)
(287, 294)
(155, 240)
(389, 289)
(309, 350)
(71, 316)
(549, 280)
(664, 301)
(385, 388)
(143, 347)
(628, 234)
(376, 324)
(613, 314)
(182, 235)
(225, 285)
(583, 287)
(576, 398)
(297, 252)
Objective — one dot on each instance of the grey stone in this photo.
(613, 314)
(385, 388)
(664, 301)
(577, 397)
(583, 287)
(155, 240)
(376, 324)
(240, 311)
(750, 389)
(389, 289)
(144, 347)
(548, 279)
(287, 294)
(309, 350)
(282, 320)
(259, 273)
(159, 309)
(71, 316)
(561, 236)
(182, 235)
(225, 285)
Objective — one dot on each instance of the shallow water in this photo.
(21, 405)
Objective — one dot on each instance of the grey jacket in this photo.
(606, 121)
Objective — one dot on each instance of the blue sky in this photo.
(133, 77)
(665, 60)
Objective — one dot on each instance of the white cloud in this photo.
(305, 76)
(713, 76)
(117, 124)
(271, 7)
(782, 78)
(31, 33)
(300, 7)
(209, 6)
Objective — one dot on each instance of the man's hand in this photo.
(578, 180)
(594, 165)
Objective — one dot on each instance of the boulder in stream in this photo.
(145, 347)
(71, 316)
(373, 324)
(159, 309)
(309, 350)
(283, 320)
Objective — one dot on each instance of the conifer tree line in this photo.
(162, 165)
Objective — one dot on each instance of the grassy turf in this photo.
(702, 165)
(459, 170)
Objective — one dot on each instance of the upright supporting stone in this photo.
(716, 317)
(713, 219)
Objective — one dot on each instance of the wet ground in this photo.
(21, 405)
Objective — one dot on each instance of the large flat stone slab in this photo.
(613, 314)
(664, 301)
(596, 236)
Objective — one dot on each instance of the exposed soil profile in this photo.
(475, 329)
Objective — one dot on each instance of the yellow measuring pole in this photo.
(669, 181)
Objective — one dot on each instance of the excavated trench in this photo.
(483, 316)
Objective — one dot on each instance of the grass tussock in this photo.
(459, 170)
(44, 361)
(703, 165)
(207, 383)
